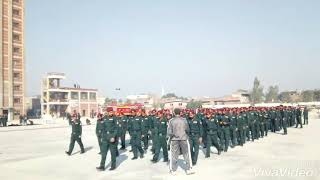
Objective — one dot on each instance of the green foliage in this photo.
(273, 94)
(194, 104)
(170, 95)
(285, 97)
(316, 95)
(256, 95)
(173, 95)
(108, 101)
(307, 96)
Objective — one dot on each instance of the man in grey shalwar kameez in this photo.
(178, 129)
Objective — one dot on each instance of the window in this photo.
(16, 12)
(16, 62)
(83, 112)
(16, 50)
(17, 87)
(16, 1)
(16, 75)
(15, 25)
(93, 96)
(84, 95)
(17, 100)
(74, 95)
(16, 37)
(17, 112)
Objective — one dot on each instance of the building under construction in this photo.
(56, 100)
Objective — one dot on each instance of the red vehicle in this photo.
(126, 109)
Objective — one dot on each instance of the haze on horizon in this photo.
(191, 48)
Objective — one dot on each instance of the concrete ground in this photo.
(37, 153)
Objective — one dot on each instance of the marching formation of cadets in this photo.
(220, 128)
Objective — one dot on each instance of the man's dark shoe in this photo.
(100, 168)
(134, 158)
(112, 168)
(69, 154)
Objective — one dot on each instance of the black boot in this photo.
(112, 168)
(100, 168)
(68, 153)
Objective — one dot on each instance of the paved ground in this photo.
(38, 154)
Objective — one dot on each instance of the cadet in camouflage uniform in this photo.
(99, 131)
(256, 122)
(117, 118)
(212, 128)
(306, 116)
(145, 133)
(218, 117)
(233, 128)
(110, 130)
(225, 127)
(152, 119)
(284, 119)
(251, 121)
(160, 137)
(241, 128)
(273, 117)
(246, 124)
(123, 126)
(195, 136)
(261, 122)
(136, 128)
(202, 118)
(278, 119)
(75, 135)
(69, 118)
(267, 122)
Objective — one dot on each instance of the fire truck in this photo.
(126, 109)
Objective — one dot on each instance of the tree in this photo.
(273, 94)
(256, 94)
(194, 104)
(108, 101)
(307, 96)
(316, 94)
(285, 97)
(170, 95)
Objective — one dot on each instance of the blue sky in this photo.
(192, 48)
